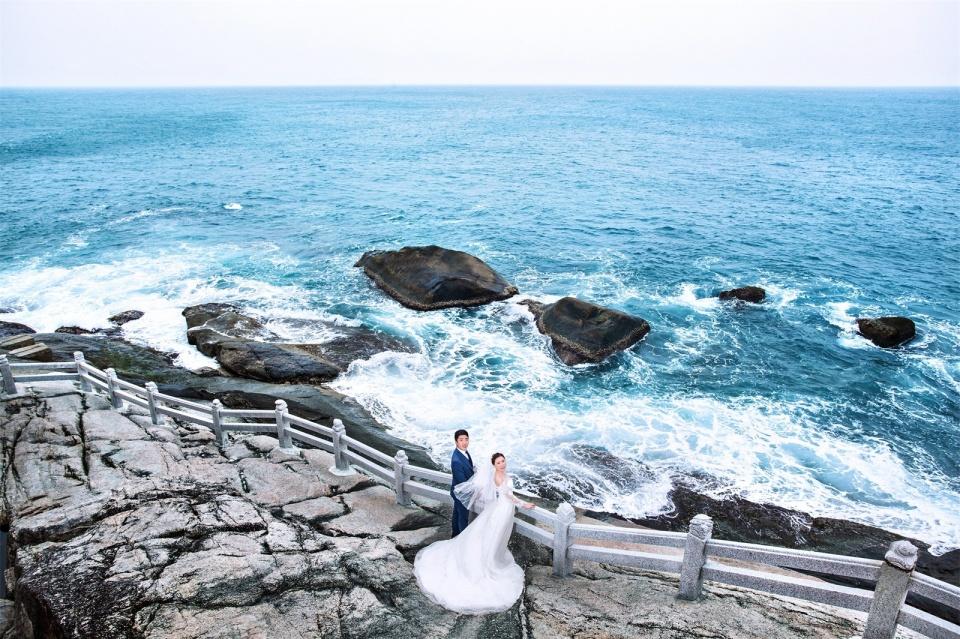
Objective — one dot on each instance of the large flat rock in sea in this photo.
(427, 278)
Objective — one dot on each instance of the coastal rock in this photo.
(201, 313)
(126, 316)
(228, 325)
(426, 278)
(276, 363)
(645, 604)
(887, 332)
(8, 329)
(584, 332)
(74, 330)
(108, 542)
(752, 294)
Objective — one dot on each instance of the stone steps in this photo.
(16, 341)
(38, 352)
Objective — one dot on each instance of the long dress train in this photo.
(474, 573)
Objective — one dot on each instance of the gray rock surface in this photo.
(122, 529)
(427, 278)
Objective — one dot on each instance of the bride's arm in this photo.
(518, 502)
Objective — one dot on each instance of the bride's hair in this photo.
(493, 460)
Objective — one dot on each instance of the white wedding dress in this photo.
(474, 573)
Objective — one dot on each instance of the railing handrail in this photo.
(894, 576)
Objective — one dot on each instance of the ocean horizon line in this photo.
(773, 87)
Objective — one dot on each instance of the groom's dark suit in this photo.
(462, 468)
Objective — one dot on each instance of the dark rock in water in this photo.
(201, 313)
(207, 371)
(584, 332)
(752, 294)
(74, 330)
(230, 324)
(277, 363)
(6, 310)
(887, 331)
(13, 328)
(127, 316)
(426, 278)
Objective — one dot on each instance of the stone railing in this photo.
(694, 555)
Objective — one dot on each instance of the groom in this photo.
(461, 463)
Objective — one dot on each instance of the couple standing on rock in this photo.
(473, 572)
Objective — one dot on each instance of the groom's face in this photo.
(463, 441)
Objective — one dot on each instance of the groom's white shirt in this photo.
(464, 453)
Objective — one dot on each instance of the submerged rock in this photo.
(887, 332)
(426, 278)
(201, 313)
(752, 294)
(127, 316)
(584, 332)
(8, 329)
(74, 330)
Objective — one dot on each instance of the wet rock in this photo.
(126, 316)
(8, 329)
(426, 278)
(201, 313)
(276, 363)
(74, 330)
(887, 332)
(227, 326)
(584, 332)
(752, 294)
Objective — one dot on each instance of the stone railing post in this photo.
(694, 556)
(155, 417)
(341, 464)
(566, 515)
(217, 418)
(80, 361)
(115, 400)
(9, 385)
(399, 463)
(283, 425)
(891, 590)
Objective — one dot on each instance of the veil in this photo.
(478, 491)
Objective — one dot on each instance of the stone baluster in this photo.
(341, 464)
(891, 590)
(115, 400)
(283, 425)
(216, 414)
(566, 515)
(694, 557)
(155, 417)
(399, 464)
(80, 360)
(9, 385)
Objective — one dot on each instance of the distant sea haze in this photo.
(840, 203)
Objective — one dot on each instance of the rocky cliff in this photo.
(119, 528)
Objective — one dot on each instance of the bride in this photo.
(474, 573)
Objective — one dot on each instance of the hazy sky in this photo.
(279, 42)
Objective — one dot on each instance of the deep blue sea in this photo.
(841, 203)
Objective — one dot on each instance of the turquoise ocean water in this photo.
(841, 203)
